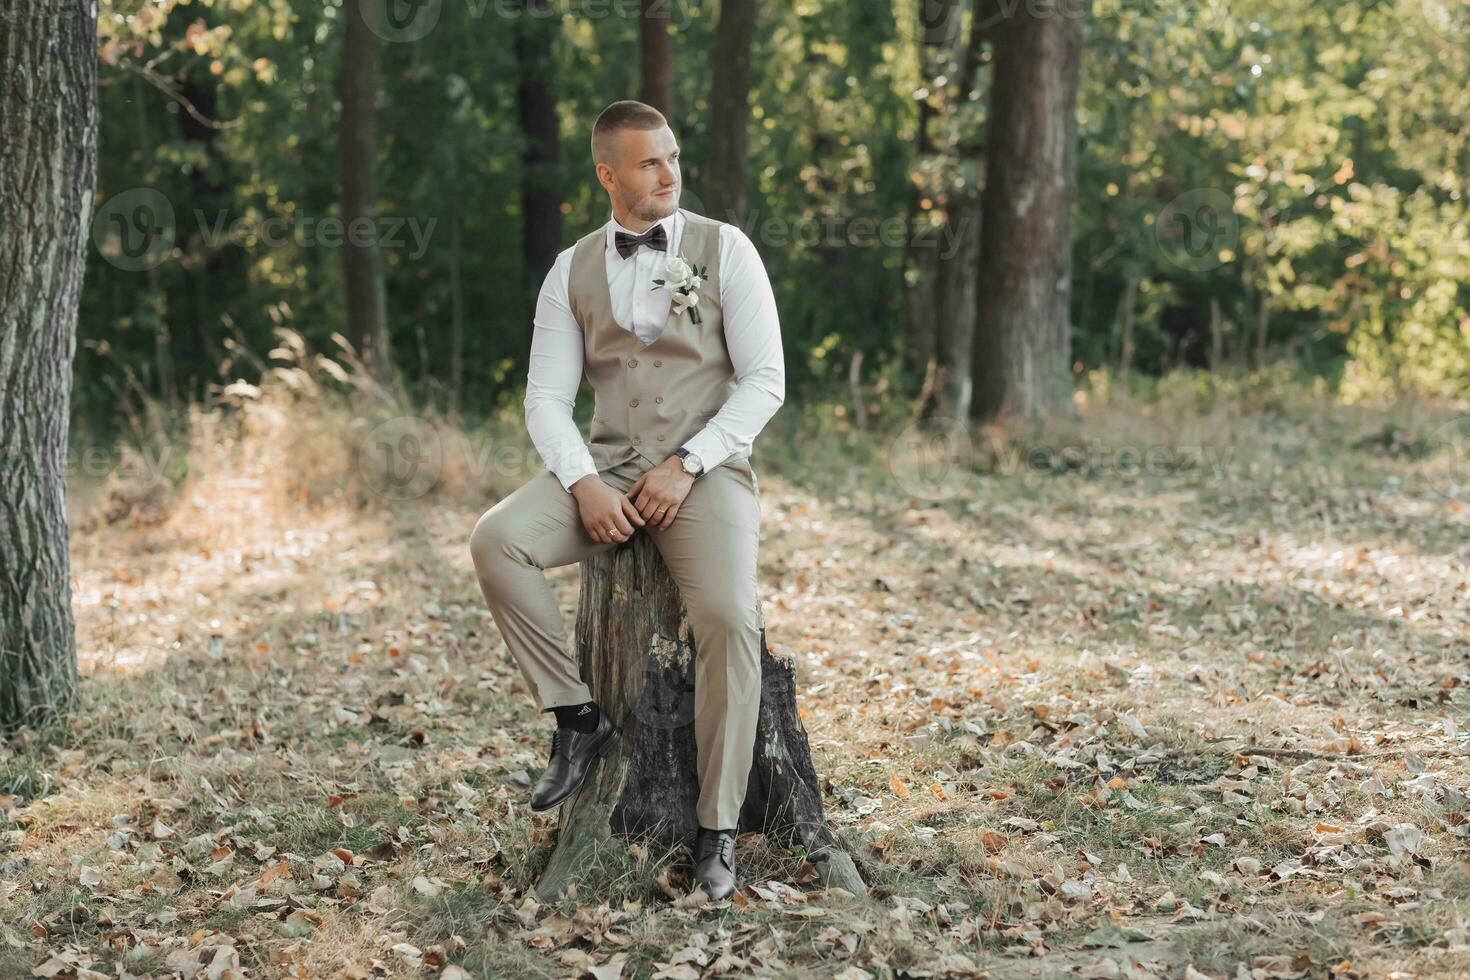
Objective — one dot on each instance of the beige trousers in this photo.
(710, 549)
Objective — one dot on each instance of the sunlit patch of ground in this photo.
(1078, 723)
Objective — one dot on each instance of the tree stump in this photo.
(637, 655)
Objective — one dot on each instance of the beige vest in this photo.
(651, 398)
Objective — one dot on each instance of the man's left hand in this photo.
(658, 493)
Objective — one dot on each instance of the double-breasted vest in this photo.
(651, 398)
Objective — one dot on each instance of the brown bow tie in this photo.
(655, 238)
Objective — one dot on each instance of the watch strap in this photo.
(682, 452)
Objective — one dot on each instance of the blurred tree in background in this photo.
(1253, 182)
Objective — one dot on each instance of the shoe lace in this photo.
(556, 742)
(721, 844)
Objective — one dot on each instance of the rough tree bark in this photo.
(948, 264)
(637, 655)
(938, 25)
(958, 271)
(1022, 345)
(725, 182)
(536, 32)
(362, 265)
(658, 61)
(955, 305)
(48, 164)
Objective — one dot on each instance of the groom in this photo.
(678, 404)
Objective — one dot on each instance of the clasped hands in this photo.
(610, 516)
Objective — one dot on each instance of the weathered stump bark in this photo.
(637, 655)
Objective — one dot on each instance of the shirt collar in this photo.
(672, 225)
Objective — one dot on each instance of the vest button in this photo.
(660, 438)
(658, 363)
(632, 362)
(637, 440)
(634, 403)
(659, 399)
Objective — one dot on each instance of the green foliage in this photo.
(1337, 136)
(1319, 150)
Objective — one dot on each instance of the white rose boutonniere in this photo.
(684, 279)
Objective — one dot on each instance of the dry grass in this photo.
(1034, 700)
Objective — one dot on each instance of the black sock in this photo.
(582, 717)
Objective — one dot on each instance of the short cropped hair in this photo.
(624, 114)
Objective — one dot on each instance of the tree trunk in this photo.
(362, 269)
(956, 250)
(855, 385)
(938, 24)
(456, 311)
(48, 164)
(1125, 327)
(1217, 336)
(536, 107)
(725, 186)
(637, 655)
(1022, 352)
(955, 303)
(658, 64)
(1263, 324)
(919, 295)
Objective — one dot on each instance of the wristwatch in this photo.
(692, 464)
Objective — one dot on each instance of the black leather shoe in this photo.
(572, 753)
(714, 862)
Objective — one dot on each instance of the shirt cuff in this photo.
(575, 470)
(709, 447)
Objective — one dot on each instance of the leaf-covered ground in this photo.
(1203, 720)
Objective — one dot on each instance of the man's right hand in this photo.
(603, 510)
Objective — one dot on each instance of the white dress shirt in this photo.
(752, 334)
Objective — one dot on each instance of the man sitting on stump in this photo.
(672, 317)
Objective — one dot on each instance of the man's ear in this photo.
(605, 176)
